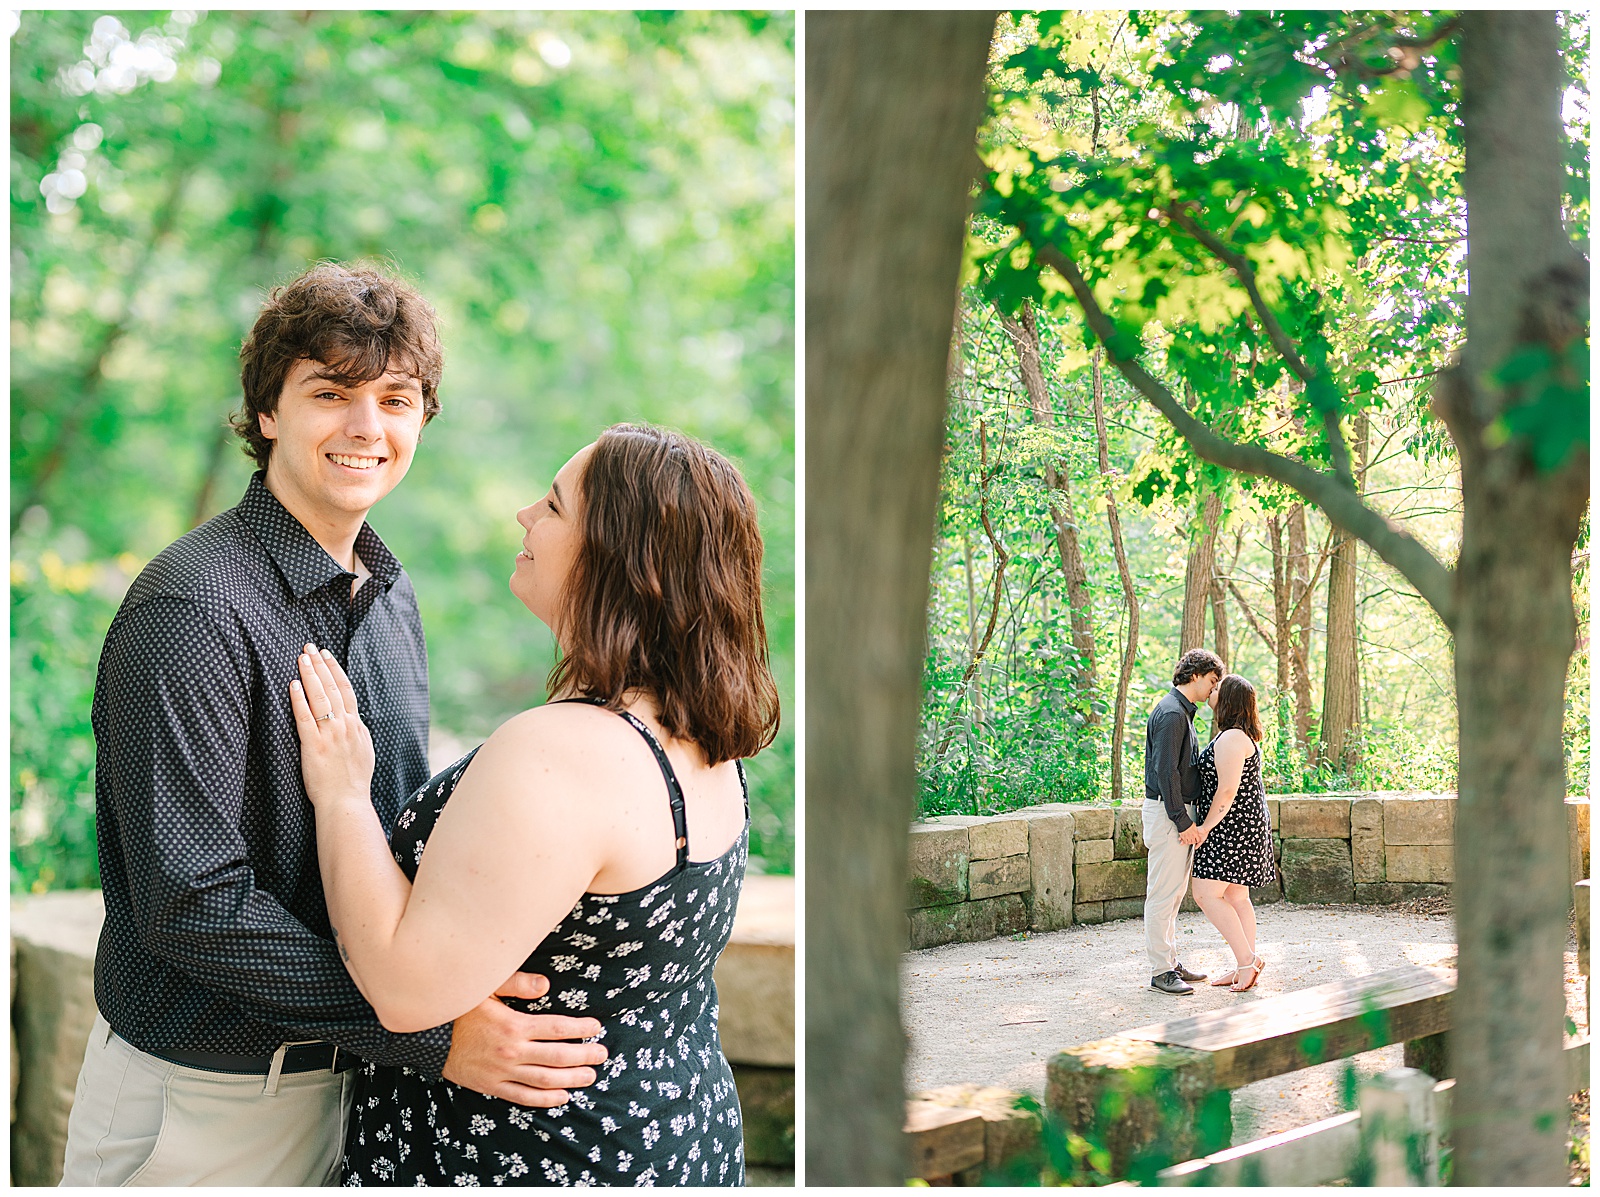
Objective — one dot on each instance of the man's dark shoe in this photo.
(1186, 974)
(1170, 982)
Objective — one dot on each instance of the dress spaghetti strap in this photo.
(680, 823)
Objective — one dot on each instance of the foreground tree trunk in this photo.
(1024, 333)
(892, 106)
(1514, 626)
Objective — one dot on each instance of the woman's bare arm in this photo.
(1233, 749)
(513, 851)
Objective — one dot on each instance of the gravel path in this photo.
(994, 1012)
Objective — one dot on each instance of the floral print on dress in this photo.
(663, 1110)
(1238, 849)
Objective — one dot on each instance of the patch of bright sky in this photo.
(1574, 106)
(1315, 106)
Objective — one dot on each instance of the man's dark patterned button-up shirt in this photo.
(1172, 757)
(216, 935)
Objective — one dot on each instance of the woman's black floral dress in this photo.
(664, 1109)
(1238, 849)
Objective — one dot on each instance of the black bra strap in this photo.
(680, 825)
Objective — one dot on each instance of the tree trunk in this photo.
(1219, 618)
(971, 677)
(1283, 653)
(1341, 671)
(1515, 626)
(1130, 648)
(1024, 335)
(1340, 693)
(1198, 576)
(892, 107)
(1300, 626)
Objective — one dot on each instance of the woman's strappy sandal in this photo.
(1255, 966)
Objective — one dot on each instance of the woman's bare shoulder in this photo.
(1236, 739)
(558, 738)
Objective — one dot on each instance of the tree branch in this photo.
(1250, 616)
(1240, 265)
(1316, 576)
(1335, 495)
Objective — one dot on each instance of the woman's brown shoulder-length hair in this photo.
(1236, 707)
(665, 594)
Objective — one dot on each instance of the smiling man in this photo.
(228, 1025)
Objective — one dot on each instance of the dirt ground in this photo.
(994, 1012)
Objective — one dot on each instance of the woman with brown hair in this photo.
(1235, 852)
(598, 840)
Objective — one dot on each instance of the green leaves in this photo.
(1398, 103)
(1549, 401)
(1038, 62)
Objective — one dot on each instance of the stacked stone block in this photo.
(1314, 860)
(1048, 866)
(945, 905)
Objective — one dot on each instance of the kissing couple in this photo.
(318, 964)
(1205, 817)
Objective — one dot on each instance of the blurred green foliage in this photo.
(599, 204)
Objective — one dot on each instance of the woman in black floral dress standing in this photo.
(1236, 852)
(598, 840)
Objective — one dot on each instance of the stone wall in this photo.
(1048, 866)
(53, 940)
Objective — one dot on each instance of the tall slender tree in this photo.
(1339, 745)
(1023, 330)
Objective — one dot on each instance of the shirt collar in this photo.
(305, 564)
(1189, 707)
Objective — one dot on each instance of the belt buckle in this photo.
(276, 1071)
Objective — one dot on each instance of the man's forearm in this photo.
(274, 970)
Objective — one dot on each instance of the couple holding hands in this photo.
(1205, 817)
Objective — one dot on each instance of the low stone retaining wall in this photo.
(53, 941)
(1045, 867)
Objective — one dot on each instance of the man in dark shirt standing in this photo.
(228, 1025)
(1171, 782)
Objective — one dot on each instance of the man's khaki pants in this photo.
(1166, 879)
(140, 1120)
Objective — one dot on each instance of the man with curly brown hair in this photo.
(228, 1025)
(1171, 783)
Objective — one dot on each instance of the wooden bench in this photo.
(973, 1134)
(942, 1140)
(1253, 1041)
(1161, 1093)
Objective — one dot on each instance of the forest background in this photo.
(1051, 458)
(599, 204)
